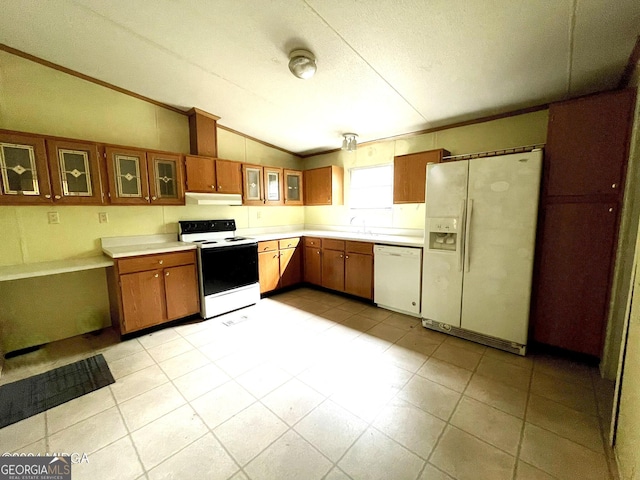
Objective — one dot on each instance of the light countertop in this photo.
(131, 246)
(404, 241)
(41, 269)
(146, 249)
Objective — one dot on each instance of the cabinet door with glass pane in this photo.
(273, 186)
(166, 185)
(252, 191)
(292, 187)
(24, 176)
(75, 177)
(127, 172)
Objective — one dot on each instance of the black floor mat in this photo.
(33, 395)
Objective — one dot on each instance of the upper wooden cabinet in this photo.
(262, 185)
(127, 172)
(273, 186)
(586, 151)
(213, 175)
(166, 178)
(293, 187)
(324, 186)
(137, 177)
(203, 133)
(74, 170)
(23, 165)
(252, 185)
(410, 175)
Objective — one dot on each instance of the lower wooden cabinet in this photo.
(345, 266)
(312, 271)
(358, 275)
(279, 264)
(333, 269)
(150, 290)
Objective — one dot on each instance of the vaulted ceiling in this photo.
(385, 67)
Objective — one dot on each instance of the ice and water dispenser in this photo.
(443, 234)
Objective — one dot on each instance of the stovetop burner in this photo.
(211, 233)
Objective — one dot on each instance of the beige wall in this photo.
(38, 99)
(526, 129)
(627, 446)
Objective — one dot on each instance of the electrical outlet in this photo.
(54, 217)
(103, 217)
(258, 215)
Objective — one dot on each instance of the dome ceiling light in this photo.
(302, 64)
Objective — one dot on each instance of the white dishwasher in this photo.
(397, 277)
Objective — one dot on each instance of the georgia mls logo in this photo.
(35, 468)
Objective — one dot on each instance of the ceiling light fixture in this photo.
(302, 64)
(349, 142)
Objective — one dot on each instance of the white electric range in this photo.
(227, 265)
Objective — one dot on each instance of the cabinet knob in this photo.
(166, 274)
(160, 262)
(318, 252)
(146, 198)
(611, 209)
(340, 255)
(153, 198)
(47, 196)
(614, 185)
(58, 197)
(219, 187)
(213, 187)
(156, 275)
(276, 256)
(346, 256)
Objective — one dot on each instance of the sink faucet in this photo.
(364, 224)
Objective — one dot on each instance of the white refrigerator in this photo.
(480, 231)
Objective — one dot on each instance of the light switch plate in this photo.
(103, 217)
(54, 217)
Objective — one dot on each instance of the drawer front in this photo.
(331, 244)
(267, 246)
(312, 242)
(151, 262)
(289, 242)
(360, 247)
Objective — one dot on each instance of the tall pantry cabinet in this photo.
(585, 165)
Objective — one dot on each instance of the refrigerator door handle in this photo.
(463, 211)
(467, 236)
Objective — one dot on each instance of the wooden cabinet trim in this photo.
(265, 182)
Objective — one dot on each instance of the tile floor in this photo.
(309, 385)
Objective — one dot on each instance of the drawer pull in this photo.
(156, 275)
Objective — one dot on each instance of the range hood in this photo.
(192, 198)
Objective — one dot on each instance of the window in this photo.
(371, 197)
(371, 187)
